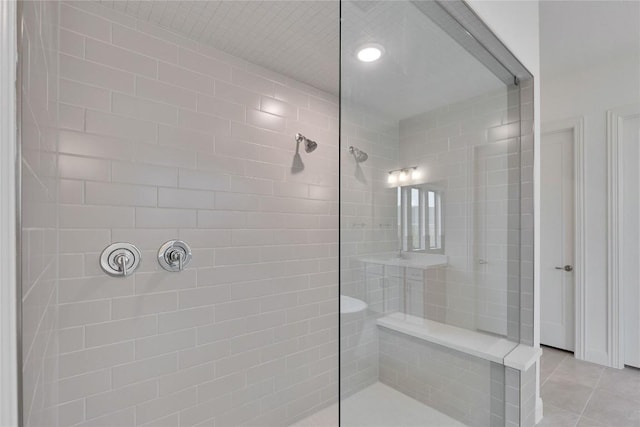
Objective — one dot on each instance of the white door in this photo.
(630, 237)
(557, 279)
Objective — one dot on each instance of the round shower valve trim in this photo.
(174, 255)
(120, 259)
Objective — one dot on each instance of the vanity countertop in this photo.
(422, 261)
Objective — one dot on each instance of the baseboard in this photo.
(539, 410)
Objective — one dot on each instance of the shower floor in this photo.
(379, 406)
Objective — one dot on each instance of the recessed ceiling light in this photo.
(370, 52)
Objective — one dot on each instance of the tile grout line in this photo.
(554, 371)
(591, 395)
(581, 414)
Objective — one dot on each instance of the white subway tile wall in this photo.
(525, 320)
(471, 150)
(39, 135)
(165, 138)
(468, 389)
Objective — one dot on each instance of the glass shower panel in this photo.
(429, 223)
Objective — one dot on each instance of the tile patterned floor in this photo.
(582, 394)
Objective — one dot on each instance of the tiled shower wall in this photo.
(470, 150)
(368, 226)
(164, 138)
(526, 268)
(467, 388)
(38, 111)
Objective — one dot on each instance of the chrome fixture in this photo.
(358, 154)
(120, 259)
(309, 145)
(403, 174)
(405, 170)
(174, 255)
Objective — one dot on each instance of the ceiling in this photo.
(299, 39)
(580, 34)
(422, 68)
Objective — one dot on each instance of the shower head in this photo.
(309, 145)
(358, 154)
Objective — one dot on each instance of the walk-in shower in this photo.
(179, 269)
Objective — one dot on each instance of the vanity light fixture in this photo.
(403, 174)
(370, 52)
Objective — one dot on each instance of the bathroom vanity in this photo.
(397, 281)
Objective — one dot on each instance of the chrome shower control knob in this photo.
(174, 255)
(120, 259)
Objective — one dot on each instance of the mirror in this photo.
(420, 218)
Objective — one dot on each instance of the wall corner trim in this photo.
(615, 301)
(8, 269)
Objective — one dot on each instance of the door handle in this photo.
(565, 268)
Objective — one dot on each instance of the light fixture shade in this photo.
(370, 52)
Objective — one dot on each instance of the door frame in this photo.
(615, 295)
(9, 298)
(576, 125)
